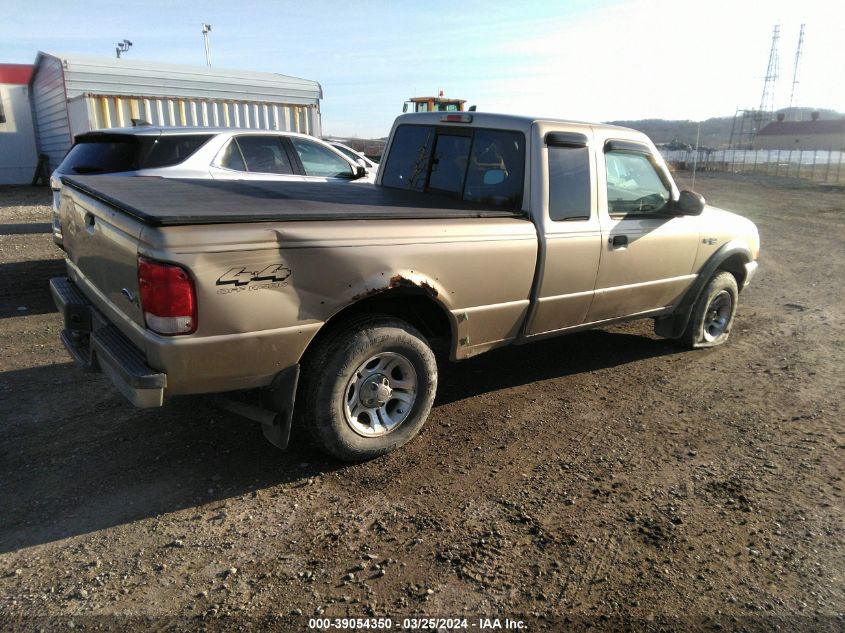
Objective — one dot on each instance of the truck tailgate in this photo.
(101, 246)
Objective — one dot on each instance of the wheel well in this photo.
(735, 264)
(412, 305)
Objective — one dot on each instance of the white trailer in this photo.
(72, 94)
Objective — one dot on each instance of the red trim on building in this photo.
(16, 73)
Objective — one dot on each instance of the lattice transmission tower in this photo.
(794, 113)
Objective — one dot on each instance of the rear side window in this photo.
(476, 165)
(569, 183)
(264, 154)
(170, 150)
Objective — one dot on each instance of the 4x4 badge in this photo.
(241, 275)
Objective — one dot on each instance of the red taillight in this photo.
(168, 298)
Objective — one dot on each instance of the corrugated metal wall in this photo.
(49, 109)
(106, 111)
(74, 94)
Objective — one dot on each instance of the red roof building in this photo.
(16, 74)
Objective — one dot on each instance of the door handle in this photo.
(618, 241)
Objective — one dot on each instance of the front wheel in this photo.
(367, 388)
(713, 314)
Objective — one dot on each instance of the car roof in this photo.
(154, 130)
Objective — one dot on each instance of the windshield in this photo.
(113, 153)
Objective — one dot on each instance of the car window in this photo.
(320, 161)
(264, 154)
(633, 185)
(169, 150)
(569, 183)
(355, 156)
(477, 165)
(231, 157)
(103, 155)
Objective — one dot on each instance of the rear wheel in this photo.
(713, 314)
(367, 388)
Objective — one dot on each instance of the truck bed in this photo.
(172, 202)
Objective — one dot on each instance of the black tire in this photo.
(325, 390)
(713, 313)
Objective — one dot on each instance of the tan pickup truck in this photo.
(318, 304)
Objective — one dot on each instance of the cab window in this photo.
(569, 183)
(475, 165)
(633, 185)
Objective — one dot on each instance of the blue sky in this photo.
(599, 60)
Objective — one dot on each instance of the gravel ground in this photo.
(605, 480)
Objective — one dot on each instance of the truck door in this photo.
(648, 250)
(570, 235)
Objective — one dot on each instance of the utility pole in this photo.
(795, 69)
(206, 29)
(122, 47)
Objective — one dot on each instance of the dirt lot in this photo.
(605, 480)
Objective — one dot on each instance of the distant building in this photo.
(815, 134)
(72, 94)
(18, 157)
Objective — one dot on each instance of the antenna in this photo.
(206, 29)
(767, 100)
(795, 70)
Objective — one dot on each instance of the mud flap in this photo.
(275, 411)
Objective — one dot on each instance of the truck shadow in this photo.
(24, 286)
(76, 458)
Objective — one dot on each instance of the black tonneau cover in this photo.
(169, 202)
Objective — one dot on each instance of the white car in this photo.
(369, 165)
(219, 154)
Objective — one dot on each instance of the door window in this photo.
(569, 183)
(320, 161)
(264, 154)
(633, 185)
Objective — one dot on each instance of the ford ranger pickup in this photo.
(319, 305)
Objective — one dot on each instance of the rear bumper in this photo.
(750, 271)
(97, 345)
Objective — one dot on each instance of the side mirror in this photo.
(361, 162)
(404, 107)
(360, 172)
(690, 203)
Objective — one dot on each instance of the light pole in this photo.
(122, 47)
(206, 29)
